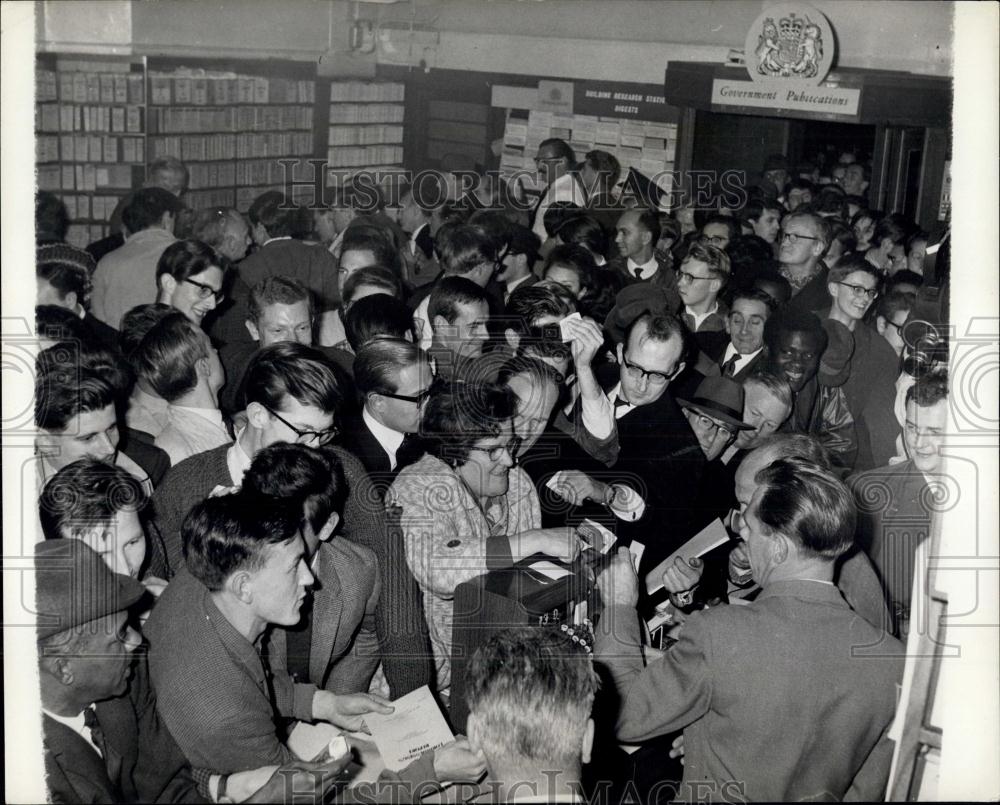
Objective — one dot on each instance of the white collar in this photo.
(510, 288)
(272, 240)
(77, 724)
(615, 394)
(740, 357)
(648, 268)
(213, 415)
(700, 317)
(416, 232)
(237, 460)
(388, 439)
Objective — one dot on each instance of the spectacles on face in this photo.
(858, 291)
(638, 373)
(496, 453)
(540, 159)
(312, 438)
(419, 398)
(715, 240)
(685, 277)
(205, 291)
(899, 327)
(794, 237)
(711, 426)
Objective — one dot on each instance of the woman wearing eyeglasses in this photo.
(464, 507)
(189, 277)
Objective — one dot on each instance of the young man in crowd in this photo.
(763, 217)
(293, 395)
(572, 267)
(703, 274)
(458, 310)
(636, 235)
(556, 166)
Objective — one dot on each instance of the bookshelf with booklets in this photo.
(365, 130)
(232, 125)
(90, 136)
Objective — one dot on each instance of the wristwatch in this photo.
(610, 492)
(683, 599)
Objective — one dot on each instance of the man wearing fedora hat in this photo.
(715, 413)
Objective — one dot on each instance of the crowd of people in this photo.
(272, 445)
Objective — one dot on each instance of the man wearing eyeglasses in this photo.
(394, 380)
(870, 388)
(702, 276)
(554, 162)
(292, 395)
(656, 449)
(802, 243)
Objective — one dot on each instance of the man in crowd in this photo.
(636, 235)
(292, 395)
(63, 276)
(811, 726)
(224, 229)
(702, 276)
(801, 246)
(893, 527)
(763, 216)
(458, 311)
(393, 379)
(530, 693)
(518, 260)
(556, 163)
(740, 351)
(572, 267)
(126, 277)
(419, 217)
(178, 362)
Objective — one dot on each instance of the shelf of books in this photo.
(365, 130)
(232, 129)
(647, 146)
(90, 136)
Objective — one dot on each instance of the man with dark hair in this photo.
(126, 277)
(178, 362)
(146, 410)
(763, 215)
(530, 693)
(393, 379)
(334, 645)
(719, 230)
(63, 276)
(518, 260)
(458, 311)
(375, 317)
(51, 219)
(799, 193)
(801, 246)
(292, 395)
(890, 317)
(796, 341)
(556, 165)
(637, 232)
(856, 180)
(466, 251)
(531, 324)
(739, 351)
(901, 493)
(246, 570)
(419, 211)
(572, 267)
(812, 726)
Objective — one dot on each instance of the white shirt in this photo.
(238, 461)
(509, 288)
(388, 439)
(422, 324)
(76, 724)
(741, 360)
(700, 317)
(565, 188)
(613, 397)
(272, 240)
(413, 238)
(646, 270)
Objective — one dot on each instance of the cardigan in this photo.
(448, 539)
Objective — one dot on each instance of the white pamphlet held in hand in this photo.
(415, 726)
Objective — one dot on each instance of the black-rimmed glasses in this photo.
(319, 437)
(794, 237)
(637, 372)
(417, 398)
(860, 290)
(205, 291)
(496, 453)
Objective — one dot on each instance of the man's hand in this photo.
(586, 340)
(458, 762)
(618, 581)
(559, 543)
(682, 576)
(677, 748)
(575, 487)
(347, 711)
(739, 565)
(302, 781)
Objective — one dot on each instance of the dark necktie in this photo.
(409, 451)
(621, 403)
(90, 722)
(637, 271)
(729, 367)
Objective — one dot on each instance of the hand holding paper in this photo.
(711, 536)
(415, 726)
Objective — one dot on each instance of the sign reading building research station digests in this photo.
(788, 52)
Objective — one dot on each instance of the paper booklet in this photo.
(415, 726)
(711, 536)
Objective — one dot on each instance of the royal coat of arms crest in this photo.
(790, 42)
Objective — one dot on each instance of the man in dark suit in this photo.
(739, 351)
(103, 740)
(656, 447)
(393, 378)
(788, 698)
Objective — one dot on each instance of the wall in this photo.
(572, 38)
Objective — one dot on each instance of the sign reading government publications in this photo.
(827, 100)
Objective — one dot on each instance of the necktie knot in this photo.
(637, 271)
(97, 734)
(729, 367)
(621, 402)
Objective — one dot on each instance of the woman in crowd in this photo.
(189, 277)
(464, 508)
